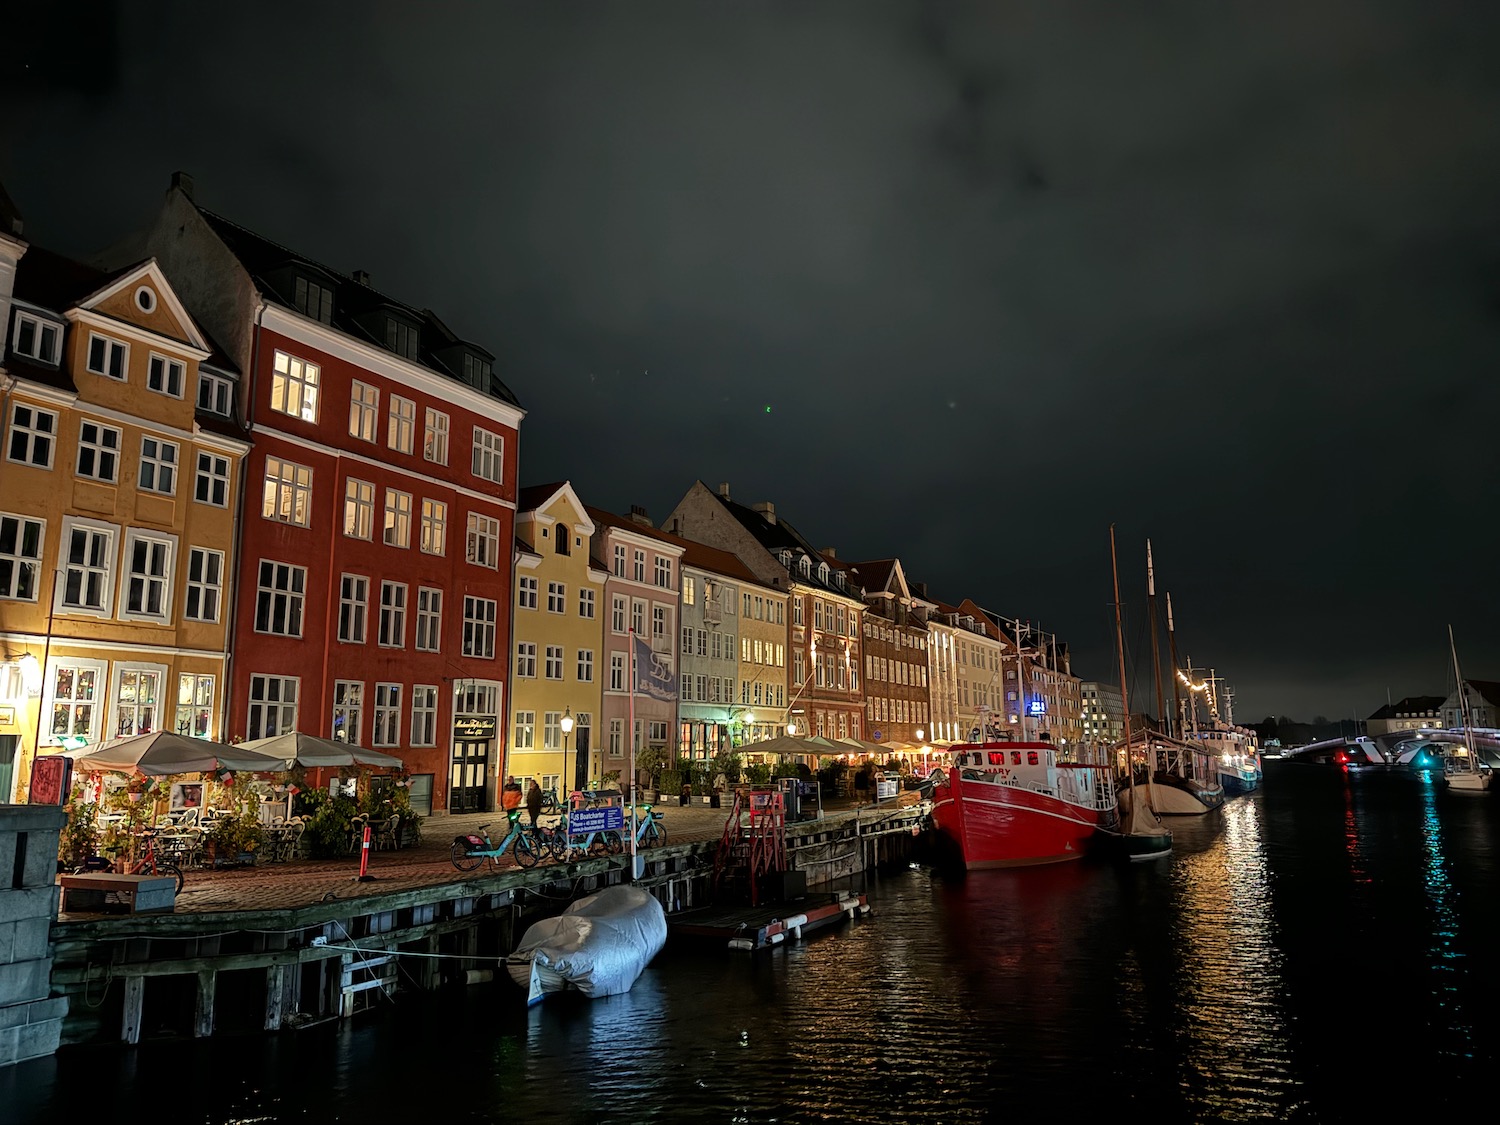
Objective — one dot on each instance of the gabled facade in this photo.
(1483, 703)
(898, 705)
(117, 517)
(987, 704)
(375, 588)
(642, 596)
(1415, 712)
(559, 600)
(942, 672)
(825, 611)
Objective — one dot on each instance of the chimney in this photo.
(361, 277)
(182, 182)
(829, 551)
(638, 515)
(724, 489)
(766, 509)
(921, 589)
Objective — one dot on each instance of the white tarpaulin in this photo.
(599, 945)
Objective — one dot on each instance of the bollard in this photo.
(364, 858)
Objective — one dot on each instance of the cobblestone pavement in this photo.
(281, 886)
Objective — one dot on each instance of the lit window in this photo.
(348, 711)
(435, 437)
(195, 704)
(400, 425)
(484, 541)
(294, 387)
(434, 527)
(397, 518)
(364, 403)
(359, 508)
(287, 494)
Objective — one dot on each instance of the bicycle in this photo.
(146, 865)
(650, 832)
(549, 800)
(468, 852)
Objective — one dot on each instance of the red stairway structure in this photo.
(754, 842)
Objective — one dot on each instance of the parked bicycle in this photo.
(549, 800)
(147, 864)
(650, 832)
(468, 852)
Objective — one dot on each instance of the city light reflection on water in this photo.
(1310, 953)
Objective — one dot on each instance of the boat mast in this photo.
(1172, 649)
(1120, 648)
(1155, 650)
(1463, 703)
(1020, 682)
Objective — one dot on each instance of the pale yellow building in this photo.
(119, 486)
(556, 677)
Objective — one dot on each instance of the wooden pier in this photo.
(750, 928)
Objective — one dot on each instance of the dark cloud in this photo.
(1222, 275)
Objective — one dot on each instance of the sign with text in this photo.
(583, 821)
(51, 776)
(474, 727)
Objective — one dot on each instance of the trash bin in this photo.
(791, 796)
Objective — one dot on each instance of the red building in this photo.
(375, 556)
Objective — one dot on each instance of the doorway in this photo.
(466, 780)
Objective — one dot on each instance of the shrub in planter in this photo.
(758, 775)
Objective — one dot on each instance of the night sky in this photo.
(961, 284)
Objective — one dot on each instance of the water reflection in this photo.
(1444, 957)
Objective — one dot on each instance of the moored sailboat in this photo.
(1463, 768)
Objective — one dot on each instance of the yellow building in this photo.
(555, 673)
(119, 487)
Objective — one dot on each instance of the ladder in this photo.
(754, 841)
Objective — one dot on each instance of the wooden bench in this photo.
(137, 893)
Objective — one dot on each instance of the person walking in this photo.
(510, 798)
(534, 801)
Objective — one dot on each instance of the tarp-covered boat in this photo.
(598, 946)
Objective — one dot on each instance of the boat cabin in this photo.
(987, 757)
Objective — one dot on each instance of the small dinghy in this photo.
(598, 946)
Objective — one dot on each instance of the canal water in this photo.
(1322, 951)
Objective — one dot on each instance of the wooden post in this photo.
(203, 1011)
(275, 995)
(431, 966)
(130, 1023)
(335, 983)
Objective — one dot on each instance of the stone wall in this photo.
(30, 1022)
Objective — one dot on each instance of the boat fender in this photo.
(849, 912)
(777, 939)
(864, 908)
(740, 943)
(478, 976)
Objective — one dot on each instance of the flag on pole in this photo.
(653, 676)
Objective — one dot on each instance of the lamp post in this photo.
(567, 729)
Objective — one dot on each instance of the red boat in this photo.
(1008, 804)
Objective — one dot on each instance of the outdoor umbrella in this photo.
(312, 752)
(163, 754)
(862, 745)
(813, 746)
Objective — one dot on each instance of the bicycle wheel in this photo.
(557, 845)
(656, 834)
(173, 870)
(525, 850)
(549, 803)
(464, 859)
(614, 842)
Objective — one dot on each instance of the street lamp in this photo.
(567, 729)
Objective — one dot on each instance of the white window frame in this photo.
(557, 597)
(525, 660)
(160, 464)
(585, 665)
(105, 454)
(31, 435)
(212, 471)
(354, 608)
(294, 595)
(386, 729)
(619, 611)
(392, 632)
(286, 492)
(109, 350)
(364, 410)
(424, 707)
(262, 707)
(154, 673)
(552, 668)
(396, 530)
(199, 689)
(19, 561)
(207, 588)
(619, 562)
(480, 615)
(435, 437)
(359, 508)
(167, 544)
(617, 671)
(163, 368)
(41, 326)
(526, 591)
(586, 603)
(434, 533)
(348, 711)
(525, 733)
(488, 461)
(98, 703)
(482, 543)
(401, 424)
(215, 394)
(294, 386)
(110, 534)
(429, 632)
(663, 572)
(552, 730)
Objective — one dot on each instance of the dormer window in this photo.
(786, 558)
(313, 299)
(36, 338)
(401, 337)
(839, 578)
(476, 371)
(804, 565)
(823, 572)
(215, 393)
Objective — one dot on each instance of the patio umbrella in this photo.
(163, 754)
(813, 746)
(312, 752)
(863, 746)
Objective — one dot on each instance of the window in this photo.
(663, 572)
(397, 518)
(401, 337)
(215, 394)
(20, 556)
(166, 376)
(639, 572)
(560, 540)
(687, 639)
(294, 387)
(348, 709)
(136, 700)
(617, 671)
(525, 730)
(586, 604)
(107, 357)
(273, 706)
(74, 695)
(98, 451)
(619, 562)
(476, 371)
(585, 665)
(287, 495)
(354, 606)
(484, 541)
(435, 437)
(658, 623)
(158, 466)
(638, 617)
(359, 508)
(489, 456)
(313, 299)
(434, 527)
(37, 339)
(552, 730)
(557, 597)
(401, 424)
(86, 581)
(527, 588)
(616, 738)
(424, 715)
(689, 591)
(479, 627)
(526, 659)
(364, 403)
(554, 668)
(195, 705)
(148, 589)
(429, 619)
(617, 614)
(387, 715)
(33, 433)
(392, 615)
(278, 600)
(211, 485)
